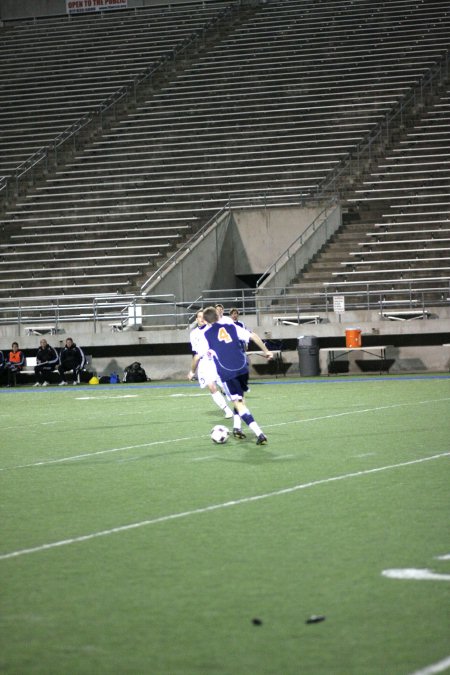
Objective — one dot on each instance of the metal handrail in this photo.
(186, 248)
(167, 311)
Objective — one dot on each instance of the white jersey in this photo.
(225, 319)
(206, 370)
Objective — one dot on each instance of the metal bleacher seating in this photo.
(267, 111)
(411, 241)
(399, 261)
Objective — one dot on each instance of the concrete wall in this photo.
(261, 235)
(174, 363)
(244, 242)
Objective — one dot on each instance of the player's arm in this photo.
(257, 340)
(194, 364)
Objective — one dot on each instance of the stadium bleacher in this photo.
(272, 108)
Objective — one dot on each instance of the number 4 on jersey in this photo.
(224, 335)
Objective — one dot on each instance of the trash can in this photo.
(308, 355)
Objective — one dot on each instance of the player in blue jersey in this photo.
(224, 342)
(206, 368)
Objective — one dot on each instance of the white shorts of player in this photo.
(207, 373)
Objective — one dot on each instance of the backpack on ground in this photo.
(135, 373)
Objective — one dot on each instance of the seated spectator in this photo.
(46, 362)
(14, 364)
(2, 366)
(71, 359)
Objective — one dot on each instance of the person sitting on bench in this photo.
(14, 364)
(71, 359)
(46, 362)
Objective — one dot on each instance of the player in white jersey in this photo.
(206, 368)
(221, 316)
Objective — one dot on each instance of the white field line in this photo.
(88, 455)
(434, 668)
(102, 398)
(415, 574)
(215, 507)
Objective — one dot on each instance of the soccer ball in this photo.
(219, 434)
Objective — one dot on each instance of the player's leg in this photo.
(235, 390)
(62, 372)
(207, 376)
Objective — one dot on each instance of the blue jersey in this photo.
(224, 342)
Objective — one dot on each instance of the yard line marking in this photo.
(282, 457)
(203, 459)
(434, 668)
(416, 574)
(88, 455)
(101, 398)
(443, 557)
(215, 507)
(357, 412)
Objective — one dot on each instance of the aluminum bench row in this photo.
(420, 257)
(113, 242)
(30, 258)
(416, 242)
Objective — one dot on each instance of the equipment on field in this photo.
(219, 434)
(135, 373)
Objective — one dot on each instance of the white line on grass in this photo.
(443, 557)
(88, 455)
(215, 507)
(415, 574)
(358, 412)
(204, 459)
(101, 398)
(434, 668)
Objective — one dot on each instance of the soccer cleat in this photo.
(45, 384)
(261, 440)
(37, 384)
(237, 433)
(228, 414)
(62, 384)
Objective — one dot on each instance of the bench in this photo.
(273, 366)
(41, 330)
(30, 364)
(297, 319)
(404, 314)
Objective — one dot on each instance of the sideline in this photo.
(320, 379)
(216, 507)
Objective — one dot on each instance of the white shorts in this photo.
(207, 373)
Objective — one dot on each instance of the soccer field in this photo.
(130, 543)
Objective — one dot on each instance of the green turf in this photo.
(343, 491)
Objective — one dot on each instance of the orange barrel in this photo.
(353, 337)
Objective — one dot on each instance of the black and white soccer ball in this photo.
(219, 434)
